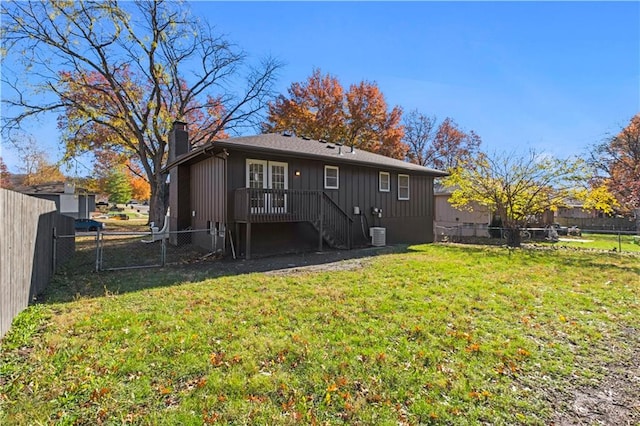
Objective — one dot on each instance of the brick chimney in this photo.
(178, 140)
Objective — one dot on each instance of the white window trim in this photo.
(267, 178)
(286, 173)
(337, 169)
(408, 187)
(264, 163)
(388, 188)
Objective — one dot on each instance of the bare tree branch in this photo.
(119, 74)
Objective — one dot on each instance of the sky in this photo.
(557, 77)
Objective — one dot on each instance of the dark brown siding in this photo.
(179, 204)
(409, 221)
(207, 199)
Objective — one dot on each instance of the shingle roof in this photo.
(440, 189)
(294, 146)
(52, 188)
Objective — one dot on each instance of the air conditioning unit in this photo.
(378, 236)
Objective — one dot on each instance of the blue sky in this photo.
(554, 76)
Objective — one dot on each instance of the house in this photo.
(452, 221)
(573, 209)
(279, 193)
(70, 201)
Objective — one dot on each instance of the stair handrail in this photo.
(348, 222)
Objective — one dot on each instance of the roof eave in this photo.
(344, 158)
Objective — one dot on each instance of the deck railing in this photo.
(336, 222)
(257, 205)
(276, 205)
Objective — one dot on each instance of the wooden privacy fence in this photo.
(601, 224)
(27, 227)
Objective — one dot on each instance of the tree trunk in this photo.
(513, 239)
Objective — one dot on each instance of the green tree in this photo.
(119, 74)
(516, 187)
(118, 187)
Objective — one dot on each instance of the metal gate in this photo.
(109, 251)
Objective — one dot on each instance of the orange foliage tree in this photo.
(5, 182)
(320, 108)
(617, 164)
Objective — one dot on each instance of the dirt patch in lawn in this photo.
(341, 265)
(330, 260)
(614, 401)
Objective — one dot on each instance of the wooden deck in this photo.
(253, 205)
(276, 205)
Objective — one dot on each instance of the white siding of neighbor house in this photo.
(469, 223)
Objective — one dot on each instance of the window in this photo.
(331, 177)
(272, 177)
(403, 187)
(384, 182)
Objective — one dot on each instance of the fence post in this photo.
(619, 243)
(54, 242)
(163, 252)
(98, 252)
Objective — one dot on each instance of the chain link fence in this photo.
(104, 251)
(75, 253)
(461, 232)
(482, 234)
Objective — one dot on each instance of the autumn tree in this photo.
(597, 196)
(617, 165)
(34, 162)
(140, 189)
(319, 108)
(110, 160)
(441, 146)
(42, 171)
(516, 187)
(119, 74)
(5, 182)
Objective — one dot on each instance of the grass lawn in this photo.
(436, 335)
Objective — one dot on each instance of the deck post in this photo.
(236, 236)
(247, 249)
(320, 231)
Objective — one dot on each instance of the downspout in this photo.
(225, 210)
(224, 155)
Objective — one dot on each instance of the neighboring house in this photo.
(573, 214)
(280, 193)
(70, 201)
(451, 221)
(573, 210)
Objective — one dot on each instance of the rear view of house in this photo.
(282, 193)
